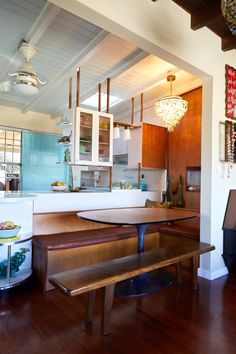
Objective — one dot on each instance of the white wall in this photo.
(163, 29)
(13, 117)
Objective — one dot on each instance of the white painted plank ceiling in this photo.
(65, 37)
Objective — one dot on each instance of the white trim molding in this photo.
(212, 275)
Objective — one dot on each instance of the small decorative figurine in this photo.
(67, 155)
(168, 196)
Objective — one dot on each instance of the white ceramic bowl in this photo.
(9, 233)
(59, 188)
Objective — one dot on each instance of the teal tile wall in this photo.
(40, 154)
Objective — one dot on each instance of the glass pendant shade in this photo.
(228, 8)
(171, 109)
(25, 88)
(127, 135)
(116, 132)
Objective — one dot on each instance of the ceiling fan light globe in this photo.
(26, 89)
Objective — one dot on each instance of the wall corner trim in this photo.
(212, 275)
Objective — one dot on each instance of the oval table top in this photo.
(137, 216)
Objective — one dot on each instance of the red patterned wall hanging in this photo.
(230, 98)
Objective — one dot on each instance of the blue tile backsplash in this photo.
(40, 157)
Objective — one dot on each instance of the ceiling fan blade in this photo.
(42, 82)
(5, 86)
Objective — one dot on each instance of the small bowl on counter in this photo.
(7, 233)
(59, 188)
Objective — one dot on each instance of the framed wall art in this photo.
(230, 92)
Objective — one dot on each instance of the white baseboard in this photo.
(212, 275)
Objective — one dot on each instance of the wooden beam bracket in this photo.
(205, 15)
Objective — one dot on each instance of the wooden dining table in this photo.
(147, 283)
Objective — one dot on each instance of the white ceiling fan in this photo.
(25, 79)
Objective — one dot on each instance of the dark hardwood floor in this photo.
(177, 320)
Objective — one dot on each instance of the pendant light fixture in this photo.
(116, 131)
(171, 109)
(126, 134)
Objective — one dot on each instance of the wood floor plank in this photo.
(177, 320)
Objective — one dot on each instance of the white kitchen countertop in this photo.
(78, 201)
(13, 197)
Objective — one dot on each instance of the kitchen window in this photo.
(10, 160)
(10, 146)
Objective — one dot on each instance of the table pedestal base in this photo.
(144, 284)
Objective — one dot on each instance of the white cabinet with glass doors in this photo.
(93, 138)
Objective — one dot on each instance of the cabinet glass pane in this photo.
(2, 134)
(85, 143)
(17, 136)
(2, 150)
(9, 153)
(17, 155)
(17, 142)
(9, 142)
(104, 139)
(9, 134)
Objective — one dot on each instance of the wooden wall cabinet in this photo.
(148, 146)
(93, 139)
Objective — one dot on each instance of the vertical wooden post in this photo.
(132, 112)
(90, 305)
(108, 94)
(78, 89)
(141, 109)
(139, 175)
(99, 97)
(107, 300)
(179, 272)
(70, 93)
(110, 179)
(194, 271)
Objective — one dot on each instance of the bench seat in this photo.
(105, 275)
(180, 230)
(84, 238)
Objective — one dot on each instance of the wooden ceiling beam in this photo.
(208, 13)
(205, 16)
(228, 43)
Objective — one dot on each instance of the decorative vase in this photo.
(168, 196)
(174, 189)
(180, 201)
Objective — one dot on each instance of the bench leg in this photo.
(179, 273)
(90, 305)
(194, 271)
(107, 300)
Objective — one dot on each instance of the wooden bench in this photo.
(55, 253)
(105, 275)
